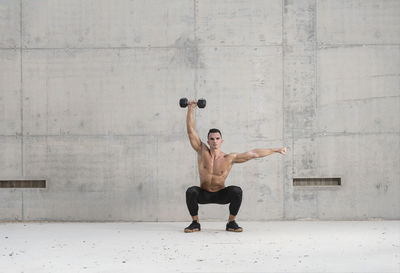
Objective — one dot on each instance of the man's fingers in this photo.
(192, 104)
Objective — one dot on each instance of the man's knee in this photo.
(192, 191)
(236, 191)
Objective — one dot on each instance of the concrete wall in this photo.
(89, 96)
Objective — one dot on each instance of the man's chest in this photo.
(217, 166)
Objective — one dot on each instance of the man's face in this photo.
(214, 140)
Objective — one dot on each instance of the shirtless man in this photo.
(214, 167)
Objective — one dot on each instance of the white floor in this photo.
(164, 247)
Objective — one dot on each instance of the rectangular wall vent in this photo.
(22, 183)
(317, 182)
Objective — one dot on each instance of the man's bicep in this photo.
(242, 157)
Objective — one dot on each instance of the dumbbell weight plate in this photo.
(201, 103)
(183, 102)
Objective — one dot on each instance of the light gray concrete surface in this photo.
(288, 246)
(89, 96)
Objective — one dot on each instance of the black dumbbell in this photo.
(201, 103)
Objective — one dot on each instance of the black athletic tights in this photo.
(196, 195)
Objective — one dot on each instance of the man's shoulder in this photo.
(204, 147)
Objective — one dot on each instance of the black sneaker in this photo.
(194, 226)
(233, 226)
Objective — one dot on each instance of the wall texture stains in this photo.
(89, 96)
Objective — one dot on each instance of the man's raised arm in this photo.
(256, 153)
(193, 137)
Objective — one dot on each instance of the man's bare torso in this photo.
(213, 170)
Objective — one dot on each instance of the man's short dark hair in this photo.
(214, 130)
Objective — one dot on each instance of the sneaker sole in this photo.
(235, 230)
(191, 230)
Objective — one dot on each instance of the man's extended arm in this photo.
(256, 153)
(193, 137)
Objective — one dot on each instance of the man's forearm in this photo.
(193, 137)
(190, 121)
(265, 152)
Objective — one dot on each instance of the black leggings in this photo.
(196, 195)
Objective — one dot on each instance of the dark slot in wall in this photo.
(331, 181)
(22, 183)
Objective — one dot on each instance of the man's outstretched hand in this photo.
(283, 151)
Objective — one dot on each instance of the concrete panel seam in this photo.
(21, 93)
(333, 134)
(365, 99)
(283, 106)
(144, 47)
(88, 135)
(196, 72)
(316, 55)
(327, 46)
